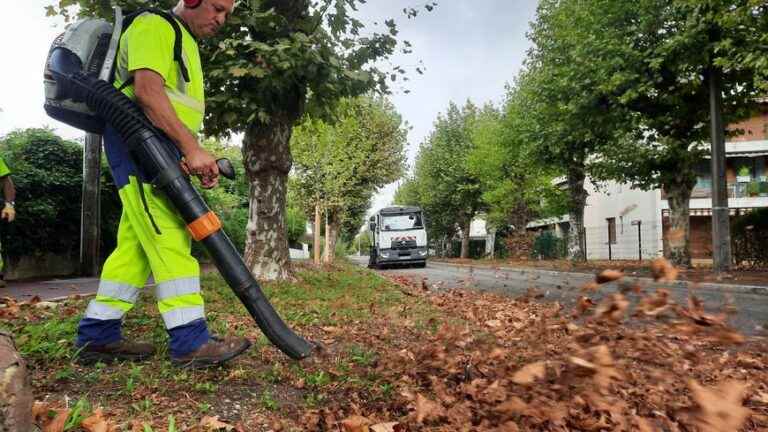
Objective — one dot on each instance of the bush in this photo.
(548, 246)
(749, 237)
(47, 172)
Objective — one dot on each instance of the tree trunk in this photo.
(331, 236)
(316, 232)
(15, 389)
(678, 237)
(267, 159)
(465, 240)
(577, 200)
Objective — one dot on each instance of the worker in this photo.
(152, 237)
(8, 213)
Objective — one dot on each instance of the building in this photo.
(625, 223)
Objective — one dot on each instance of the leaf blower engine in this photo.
(78, 92)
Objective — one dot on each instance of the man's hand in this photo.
(9, 213)
(202, 164)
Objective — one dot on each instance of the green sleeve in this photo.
(150, 45)
(4, 170)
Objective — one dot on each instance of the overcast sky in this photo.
(470, 49)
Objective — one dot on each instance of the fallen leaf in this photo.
(606, 276)
(95, 423)
(663, 270)
(721, 408)
(655, 304)
(56, 424)
(530, 373)
(214, 424)
(427, 409)
(385, 427)
(355, 424)
(493, 323)
(612, 308)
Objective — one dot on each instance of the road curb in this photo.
(722, 287)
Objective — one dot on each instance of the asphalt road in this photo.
(751, 303)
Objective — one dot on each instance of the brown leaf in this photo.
(493, 323)
(385, 427)
(642, 424)
(663, 270)
(56, 424)
(427, 409)
(95, 423)
(655, 304)
(513, 406)
(612, 308)
(530, 373)
(355, 424)
(584, 304)
(39, 409)
(608, 276)
(590, 287)
(721, 408)
(214, 424)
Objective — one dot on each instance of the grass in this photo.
(163, 397)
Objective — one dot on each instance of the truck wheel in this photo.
(421, 264)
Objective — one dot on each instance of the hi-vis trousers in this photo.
(141, 250)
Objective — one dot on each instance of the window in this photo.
(402, 222)
(611, 230)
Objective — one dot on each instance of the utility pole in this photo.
(90, 216)
(721, 230)
(316, 233)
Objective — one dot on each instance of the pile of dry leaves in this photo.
(517, 365)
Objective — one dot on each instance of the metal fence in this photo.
(636, 240)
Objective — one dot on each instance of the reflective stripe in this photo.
(101, 311)
(177, 287)
(178, 302)
(185, 100)
(181, 316)
(119, 291)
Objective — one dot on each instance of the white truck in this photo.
(399, 237)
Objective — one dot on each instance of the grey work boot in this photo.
(116, 351)
(215, 352)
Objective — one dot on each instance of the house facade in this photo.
(625, 223)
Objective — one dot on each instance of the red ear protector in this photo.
(192, 4)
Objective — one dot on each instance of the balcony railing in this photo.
(735, 190)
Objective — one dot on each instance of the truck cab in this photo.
(399, 237)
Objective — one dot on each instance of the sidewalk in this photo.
(50, 289)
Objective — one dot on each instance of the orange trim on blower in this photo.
(204, 226)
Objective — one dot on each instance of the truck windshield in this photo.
(402, 222)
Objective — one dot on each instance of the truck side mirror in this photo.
(372, 226)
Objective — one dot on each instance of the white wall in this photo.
(614, 200)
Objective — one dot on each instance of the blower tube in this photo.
(150, 149)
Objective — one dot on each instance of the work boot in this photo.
(115, 351)
(215, 352)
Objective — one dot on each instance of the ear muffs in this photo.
(192, 4)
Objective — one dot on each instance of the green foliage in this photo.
(280, 56)
(297, 224)
(517, 186)
(749, 235)
(48, 174)
(548, 246)
(230, 199)
(442, 184)
(340, 165)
